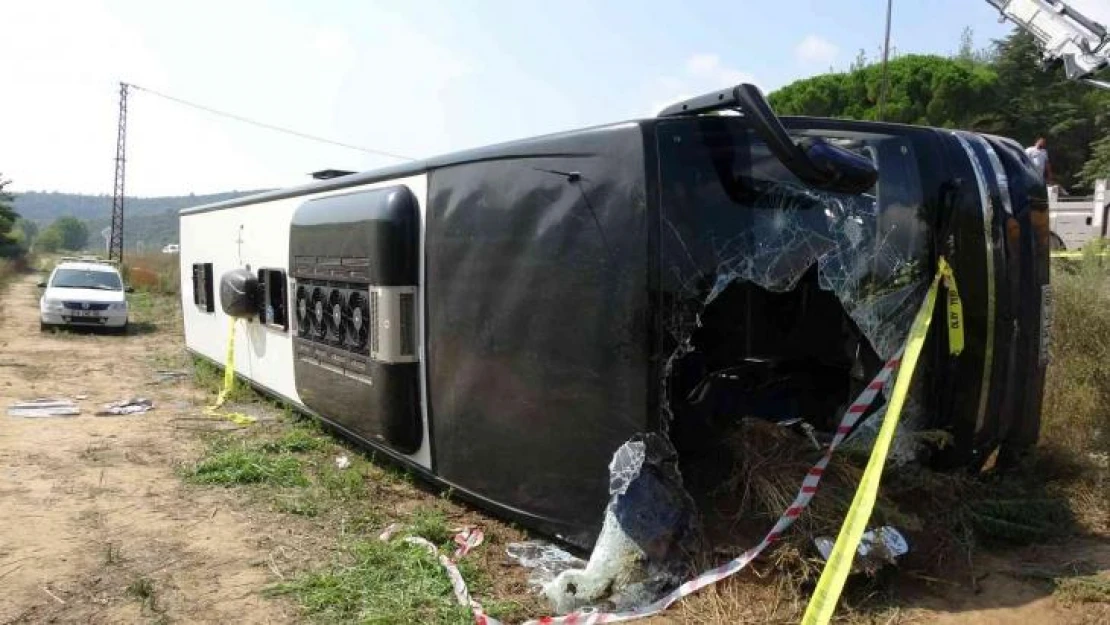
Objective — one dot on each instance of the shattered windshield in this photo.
(86, 279)
(732, 212)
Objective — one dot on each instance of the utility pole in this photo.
(886, 56)
(115, 246)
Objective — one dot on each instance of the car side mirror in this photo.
(42, 285)
(129, 289)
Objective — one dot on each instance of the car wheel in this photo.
(43, 327)
(1055, 243)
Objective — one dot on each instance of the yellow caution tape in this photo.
(1079, 254)
(825, 597)
(955, 308)
(237, 418)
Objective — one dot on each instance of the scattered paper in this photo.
(126, 406)
(878, 546)
(167, 375)
(342, 462)
(44, 407)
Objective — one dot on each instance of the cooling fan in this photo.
(357, 316)
(335, 316)
(303, 323)
(319, 325)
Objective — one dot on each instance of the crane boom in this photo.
(1065, 34)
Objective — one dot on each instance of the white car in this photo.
(84, 294)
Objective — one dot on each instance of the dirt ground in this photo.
(97, 526)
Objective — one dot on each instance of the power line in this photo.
(287, 131)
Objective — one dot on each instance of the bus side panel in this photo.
(258, 235)
(210, 241)
(539, 325)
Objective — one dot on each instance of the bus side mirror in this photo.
(129, 289)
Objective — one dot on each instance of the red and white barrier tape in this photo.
(470, 538)
(467, 538)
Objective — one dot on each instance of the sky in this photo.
(414, 78)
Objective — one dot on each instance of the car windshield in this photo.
(86, 279)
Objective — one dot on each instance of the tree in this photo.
(1003, 90)
(8, 217)
(49, 240)
(1098, 166)
(1038, 102)
(923, 89)
(73, 231)
(29, 228)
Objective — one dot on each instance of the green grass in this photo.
(1083, 589)
(211, 378)
(238, 463)
(297, 440)
(341, 484)
(379, 582)
(430, 524)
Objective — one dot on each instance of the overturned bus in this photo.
(502, 320)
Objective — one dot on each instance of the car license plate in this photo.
(84, 313)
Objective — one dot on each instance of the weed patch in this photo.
(379, 582)
(297, 440)
(1083, 589)
(211, 378)
(239, 464)
(430, 524)
(142, 589)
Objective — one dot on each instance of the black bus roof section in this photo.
(531, 148)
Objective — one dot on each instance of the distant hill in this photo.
(149, 220)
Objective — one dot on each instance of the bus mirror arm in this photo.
(814, 161)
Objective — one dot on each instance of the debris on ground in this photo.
(545, 560)
(167, 375)
(44, 407)
(240, 418)
(126, 407)
(878, 547)
(650, 531)
(204, 424)
(342, 462)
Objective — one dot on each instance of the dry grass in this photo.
(1075, 430)
(154, 272)
(11, 267)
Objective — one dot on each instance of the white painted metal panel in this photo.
(257, 235)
